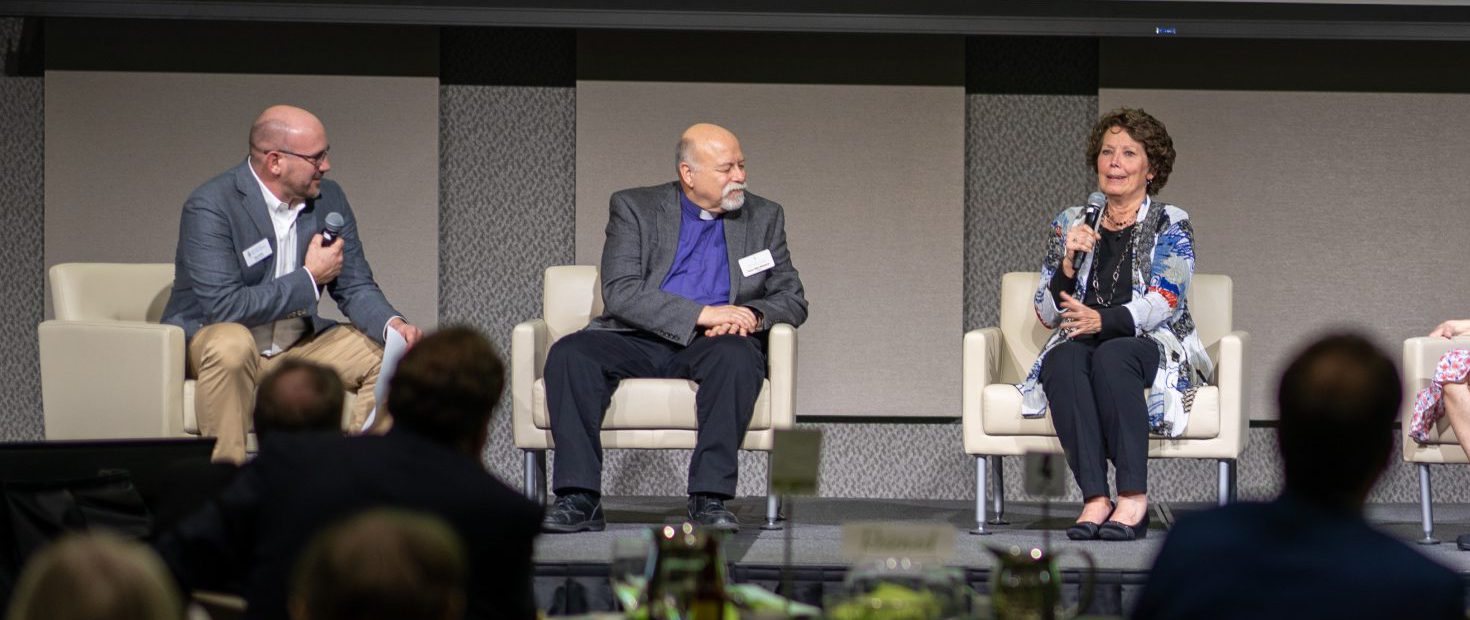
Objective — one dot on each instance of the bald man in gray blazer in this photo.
(693, 273)
(250, 266)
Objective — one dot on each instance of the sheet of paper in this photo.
(393, 349)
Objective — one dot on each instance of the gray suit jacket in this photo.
(212, 283)
(642, 238)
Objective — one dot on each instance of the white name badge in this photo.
(756, 263)
(257, 252)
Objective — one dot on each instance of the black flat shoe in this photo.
(1114, 530)
(1087, 530)
(1084, 530)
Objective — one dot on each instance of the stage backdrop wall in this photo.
(1330, 208)
(507, 136)
(125, 148)
(872, 180)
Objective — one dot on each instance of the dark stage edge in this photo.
(571, 569)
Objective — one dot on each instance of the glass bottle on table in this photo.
(688, 578)
(710, 595)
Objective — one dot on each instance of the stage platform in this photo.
(571, 569)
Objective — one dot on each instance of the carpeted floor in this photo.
(816, 531)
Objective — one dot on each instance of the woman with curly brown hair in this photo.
(1115, 296)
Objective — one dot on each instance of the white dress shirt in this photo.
(277, 336)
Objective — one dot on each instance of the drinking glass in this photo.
(628, 570)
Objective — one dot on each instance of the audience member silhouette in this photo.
(298, 396)
(1309, 553)
(442, 396)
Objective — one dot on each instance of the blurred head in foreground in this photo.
(383, 563)
(1338, 400)
(95, 576)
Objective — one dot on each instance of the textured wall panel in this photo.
(506, 187)
(1024, 163)
(21, 248)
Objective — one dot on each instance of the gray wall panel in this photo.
(871, 177)
(1329, 210)
(21, 247)
(124, 150)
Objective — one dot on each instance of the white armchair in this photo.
(997, 358)
(1421, 356)
(109, 369)
(644, 413)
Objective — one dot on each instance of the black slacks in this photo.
(583, 370)
(1095, 391)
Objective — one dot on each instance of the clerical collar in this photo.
(692, 210)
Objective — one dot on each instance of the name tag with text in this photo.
(257, 252)
(756, 263)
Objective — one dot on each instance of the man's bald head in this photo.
(279, 126)
(711, 168)
(702, 138)
(288, 151)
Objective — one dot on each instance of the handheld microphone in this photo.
(334, 223)
(1096, 202)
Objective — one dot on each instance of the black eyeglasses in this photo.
(314, 160)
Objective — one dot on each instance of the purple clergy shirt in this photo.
(701, 269)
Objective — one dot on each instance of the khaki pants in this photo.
(224, 360)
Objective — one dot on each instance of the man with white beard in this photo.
(693, 274)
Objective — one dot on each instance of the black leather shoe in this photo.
(709, 512)
(1115, 530)
(575, 512)
(1463, 542)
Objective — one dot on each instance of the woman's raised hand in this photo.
(1080, 238)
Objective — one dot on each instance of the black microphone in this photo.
(1096, 202)
(334, 224)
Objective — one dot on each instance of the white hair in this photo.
(684, 154)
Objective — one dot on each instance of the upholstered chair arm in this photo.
(781, 359)
(111, 379)
(1229, 357)
(980, 362)
(1421, 356)
(529, 343)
